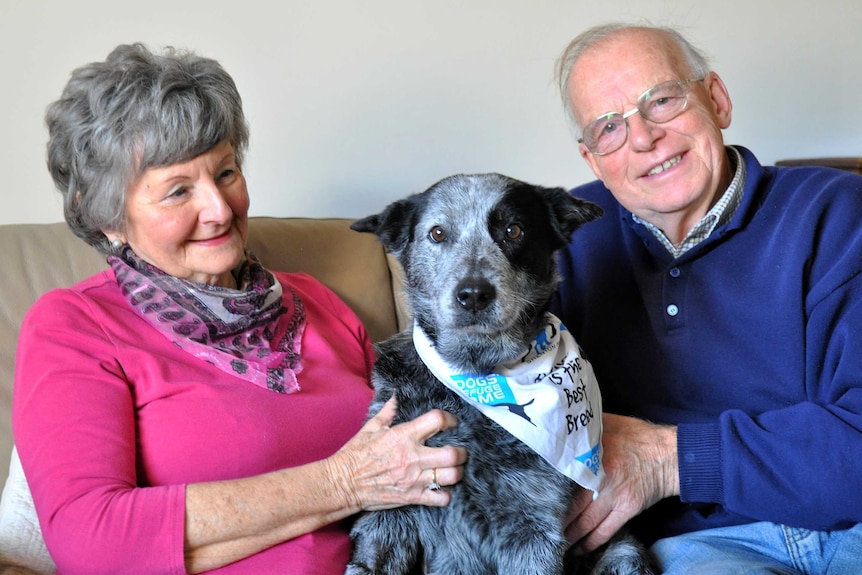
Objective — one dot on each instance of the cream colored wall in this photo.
(354, 103)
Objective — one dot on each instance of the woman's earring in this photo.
(116, 244)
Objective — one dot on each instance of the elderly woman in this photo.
(187, 409)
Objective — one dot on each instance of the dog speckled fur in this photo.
(479, 265)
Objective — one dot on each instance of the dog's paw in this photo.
(359, 569)
(623, 556)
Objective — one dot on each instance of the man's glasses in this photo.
(659, 104)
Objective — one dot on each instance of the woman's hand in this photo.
(384, 466)
(641, 468)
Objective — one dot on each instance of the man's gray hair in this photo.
(697, 62)
(135, 111)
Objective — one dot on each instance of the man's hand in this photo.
(641, 468)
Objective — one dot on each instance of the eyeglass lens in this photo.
(659, 104)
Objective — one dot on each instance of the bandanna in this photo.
(252, 332)
(548, 398)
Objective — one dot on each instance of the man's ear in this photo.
(590, 159)
(720, 99)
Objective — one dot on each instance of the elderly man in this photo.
(720, 302)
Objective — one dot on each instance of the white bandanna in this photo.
(549, 399)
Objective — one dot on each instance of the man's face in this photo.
(666, 173)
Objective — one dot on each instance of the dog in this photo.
(478, 255)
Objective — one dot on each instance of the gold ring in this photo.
(433, 486)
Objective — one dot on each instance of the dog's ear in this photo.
(393, 226)
(568, 212)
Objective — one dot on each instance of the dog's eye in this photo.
(514, 231)
(437, 235)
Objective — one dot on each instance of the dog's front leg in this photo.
(384, 543)
(532, 555)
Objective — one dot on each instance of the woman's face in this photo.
(191, 219)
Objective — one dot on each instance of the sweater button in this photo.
(672, 310)
(674, 272)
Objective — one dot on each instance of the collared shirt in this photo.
(720, 214)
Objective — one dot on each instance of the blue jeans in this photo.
(759, 549)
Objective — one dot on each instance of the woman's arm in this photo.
(380, 467)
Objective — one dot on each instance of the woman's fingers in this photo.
(430, 424)
(424, 428)
(384, 418)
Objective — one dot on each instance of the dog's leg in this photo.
(384, 543)
(531, 554)
(623, 555)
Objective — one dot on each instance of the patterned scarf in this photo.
(251, 332)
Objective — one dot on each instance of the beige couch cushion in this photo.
(21, 542)
(34, 259)
(353, 265)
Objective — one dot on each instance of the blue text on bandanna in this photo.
(486, 389)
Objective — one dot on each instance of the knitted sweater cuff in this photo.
(699, 451)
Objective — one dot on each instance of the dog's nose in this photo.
(474, 294)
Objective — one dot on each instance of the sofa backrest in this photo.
(35, 258)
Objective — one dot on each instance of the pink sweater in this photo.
(112, 421)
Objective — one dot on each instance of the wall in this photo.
(355, 103)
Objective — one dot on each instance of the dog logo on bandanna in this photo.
(518, 409)
(492, 389)
(543, 341)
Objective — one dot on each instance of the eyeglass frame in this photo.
(625, 116)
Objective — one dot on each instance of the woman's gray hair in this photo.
(697, 62)
(135, 111)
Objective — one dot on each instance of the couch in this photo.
(38, 257)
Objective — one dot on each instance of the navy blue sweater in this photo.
(751, 343)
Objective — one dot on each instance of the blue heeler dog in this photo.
(478, 254)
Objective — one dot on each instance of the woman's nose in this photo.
(215, 207)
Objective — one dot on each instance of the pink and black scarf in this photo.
(252, 332)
